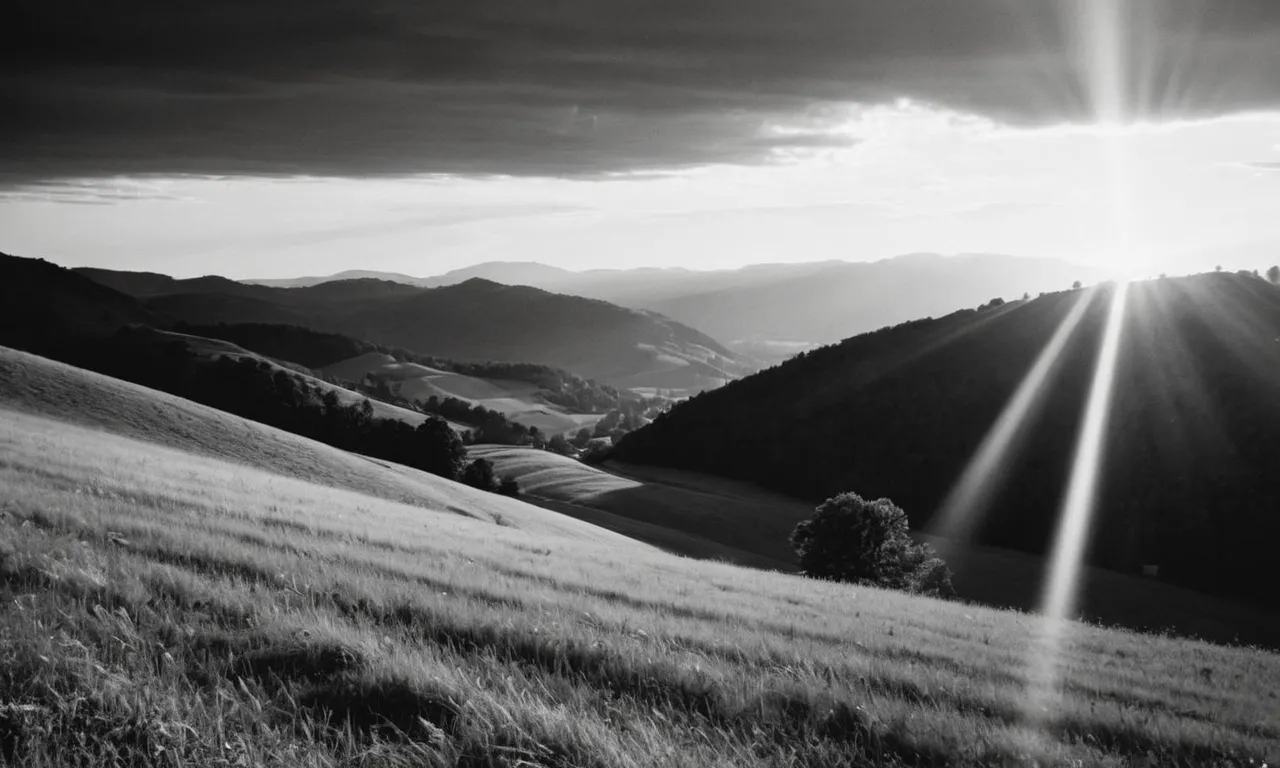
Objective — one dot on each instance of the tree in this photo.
(440, 450)
(479, 474)
(1077, 285)
(1273, 274)
(868, 542)
(558, 444)
(509, 486)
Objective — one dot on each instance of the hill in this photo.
(522, 402)
(1188, 475)
(162, 607)
(42, 303)
(771, 311)
(38, 388)
(713, 518)
(475, 320)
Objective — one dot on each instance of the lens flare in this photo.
(1078, 509)
(965, 506)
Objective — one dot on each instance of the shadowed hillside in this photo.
(1189, 478)
(42, 303)
(163, 607)
(714, 518)
(475, 320)
(773, 310)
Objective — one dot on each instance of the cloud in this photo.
(1273, 167)
(568, 87)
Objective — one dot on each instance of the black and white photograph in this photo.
(630, 383)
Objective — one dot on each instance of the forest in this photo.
(1189, 481)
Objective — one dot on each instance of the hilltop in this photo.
(1189, 468)
(475, 320)
(773, 310)
(199, 603)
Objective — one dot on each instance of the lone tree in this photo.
(479, 474)
(867, 542)
(1273, 274)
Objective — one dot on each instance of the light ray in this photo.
(1077, 512)
(967, 502)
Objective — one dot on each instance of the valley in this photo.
(192, 595)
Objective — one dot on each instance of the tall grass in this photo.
(160, 609)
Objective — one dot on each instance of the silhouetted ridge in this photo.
(1189, 475)
(475, 320)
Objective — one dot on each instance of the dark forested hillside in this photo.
(42, 302)
(474, 321)
(1189, 480)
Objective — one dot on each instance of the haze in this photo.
(419, 140)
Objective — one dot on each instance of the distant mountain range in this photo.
(771, 310)
(1189, 470)
(472, 320)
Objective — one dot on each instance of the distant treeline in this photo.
(271, 395)
(1189, 480)
(317, 349)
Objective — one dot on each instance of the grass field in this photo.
(42, 387)
(163, 607)
(707, 517)
(517, 400)
(211, 348)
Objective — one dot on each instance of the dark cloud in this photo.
(567, 87)
(1264, 166)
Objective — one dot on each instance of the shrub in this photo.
(479, 474)
(509, 486)
(868, 542)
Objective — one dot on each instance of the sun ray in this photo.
(966, 505)
(1078, 509)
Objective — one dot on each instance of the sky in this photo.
(278, 138)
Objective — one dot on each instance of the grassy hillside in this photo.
(164, 608)
(1188, 479)
(39, 387)
(520, 401)
(713, 518)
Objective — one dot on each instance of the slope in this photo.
(772, 310)
(42, 303)
(181, 610)
(713, 518)
(519, 401)
(39, 387)
(474, 320)
(1190, 446)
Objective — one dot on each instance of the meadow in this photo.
(519, 401)
(710, 517)
(164, 607)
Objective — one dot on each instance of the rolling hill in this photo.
(520, 401)
(1188, 485)
(470, 321)
(713, 518)
(42, 303)
(193, 598)
(771, 311)
(34, 390)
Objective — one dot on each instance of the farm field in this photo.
(709, 517)
(182, 609)
(517, 400)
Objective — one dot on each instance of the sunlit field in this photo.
(162, 608)
(714, 518)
